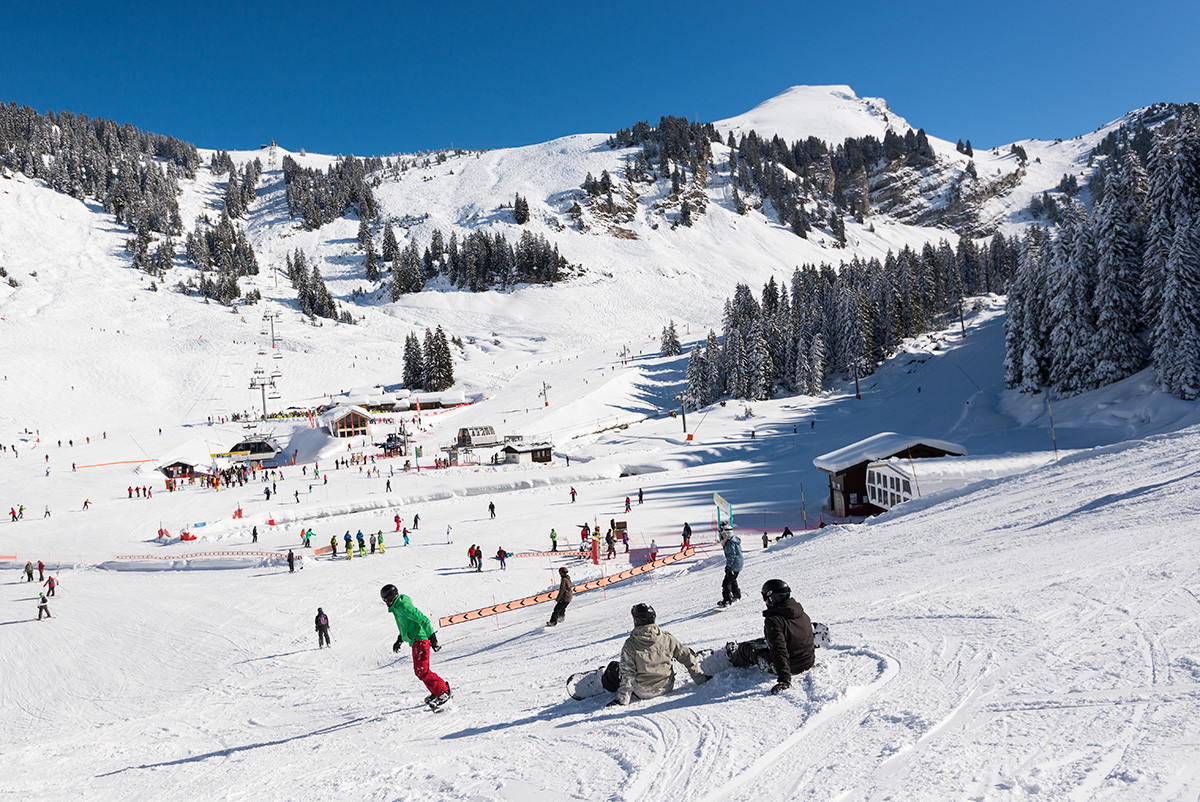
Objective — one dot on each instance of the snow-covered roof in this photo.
(337, 413)
(446, 398)
(521, 448)
(195, 452)
(941, 473)
(879, 446)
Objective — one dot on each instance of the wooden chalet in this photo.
(848, 466)
(348, 421)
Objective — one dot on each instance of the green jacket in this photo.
(413, 624)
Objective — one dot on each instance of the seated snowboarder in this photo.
(645, 669)
(789, 645)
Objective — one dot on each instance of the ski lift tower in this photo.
(261, 381)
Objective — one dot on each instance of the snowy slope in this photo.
(830, 113)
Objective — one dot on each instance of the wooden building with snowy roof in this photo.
(847, 467)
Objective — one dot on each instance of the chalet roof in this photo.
(337, 413)
(877, 447)
(195, 452)
(521, 448)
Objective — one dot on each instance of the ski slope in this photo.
(1032, 634)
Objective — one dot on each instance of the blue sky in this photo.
(383, 77)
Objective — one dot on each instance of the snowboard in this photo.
(747, 654)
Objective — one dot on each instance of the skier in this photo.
(12, 512)
(787, 532)
(47, 515)
(389, 486)
(627, 507)
(397, 523)
(653, 550)
(471, 555)
(645, 668)
(449, 533)
(291, 562)
(611, 541)
(416, 630)
(41, 571)
(416, 520)
(492, 508)
(501, 554)
(764, 540)
(406, 537)
(789, 634)
(43, 606)
(322, 623)
(687, 535)
(333, 545)
(372, 544)
(639, 495)
(267, 493)
(565, 594)
(625, 539)
(297, 496)
(572, 495)
(349, 543)
(553, 540)
(51, 583)
(362, 544)
(732, 544)
(379, 537)
(29, 572)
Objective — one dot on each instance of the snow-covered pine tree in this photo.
(233, 197)
(1119, 246)
(737, 367)
(669, 341)
(429, 355)
(1034, 357)
(817, 361)
(714, 378)
(391, 248)
(414, 363)
(371, 263)
(443, 362)
(364, 233)
(760, 381)
(1176, 335)
(697, 379)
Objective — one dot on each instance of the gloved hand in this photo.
(780, 686)
(433, 644)
(614, 703)
(398, 644)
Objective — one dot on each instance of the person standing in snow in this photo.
(333, 545)
(732, 545)
(379, 537)
(687, 535)
(416, 520)
(397, 523)
(406, 537)
(789, 634)
(291, 562)
(639, 495)
(254, 534)
(449, 533)
(41, 571)
(372, 544)
(572, 495)
(501, 555)
(492, 508)
(627, 507)
(51, 583)
(417, 631)
(764, 540)
(322, 623)
(471, 555)
(653, 550)
(611, 540)
(565, 594)
(29, 572)
(625, 539)
(553, 540)
(645, 670)
(43, 606)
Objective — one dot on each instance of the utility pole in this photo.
(543, 393)
(682, 409)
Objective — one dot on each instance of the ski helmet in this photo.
(642, 614)
(563, 571)
(775, 591)
(389, 594)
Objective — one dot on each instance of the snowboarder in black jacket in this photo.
(789, 634)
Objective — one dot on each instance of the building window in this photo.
(907, 487)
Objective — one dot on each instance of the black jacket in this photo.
(789, 635)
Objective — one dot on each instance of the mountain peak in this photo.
(830, 113)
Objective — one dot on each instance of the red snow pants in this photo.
(420, 651)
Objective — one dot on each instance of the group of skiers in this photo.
(644, 670)
(48, 582)
(376, 540)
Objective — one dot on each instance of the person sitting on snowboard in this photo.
(789, 634)
(645, 669)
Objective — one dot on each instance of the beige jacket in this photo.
(646, 663)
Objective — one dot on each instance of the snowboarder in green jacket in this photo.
(417, 631)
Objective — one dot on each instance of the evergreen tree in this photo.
(442, 367)
(1119, 246)
(429, 357)
(414, 363)
(669, 341)
(1176, 335)
(520, 211)
(714, 379)
(697, 379)
(364, 233)
(370, 263)
(391, 248)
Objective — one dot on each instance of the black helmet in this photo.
(563, 570)
(775, 591)
(389, 594)
(642, 614)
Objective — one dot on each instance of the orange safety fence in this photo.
(118, 462)
(203, 554)
(560, 553)
(529, 601)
